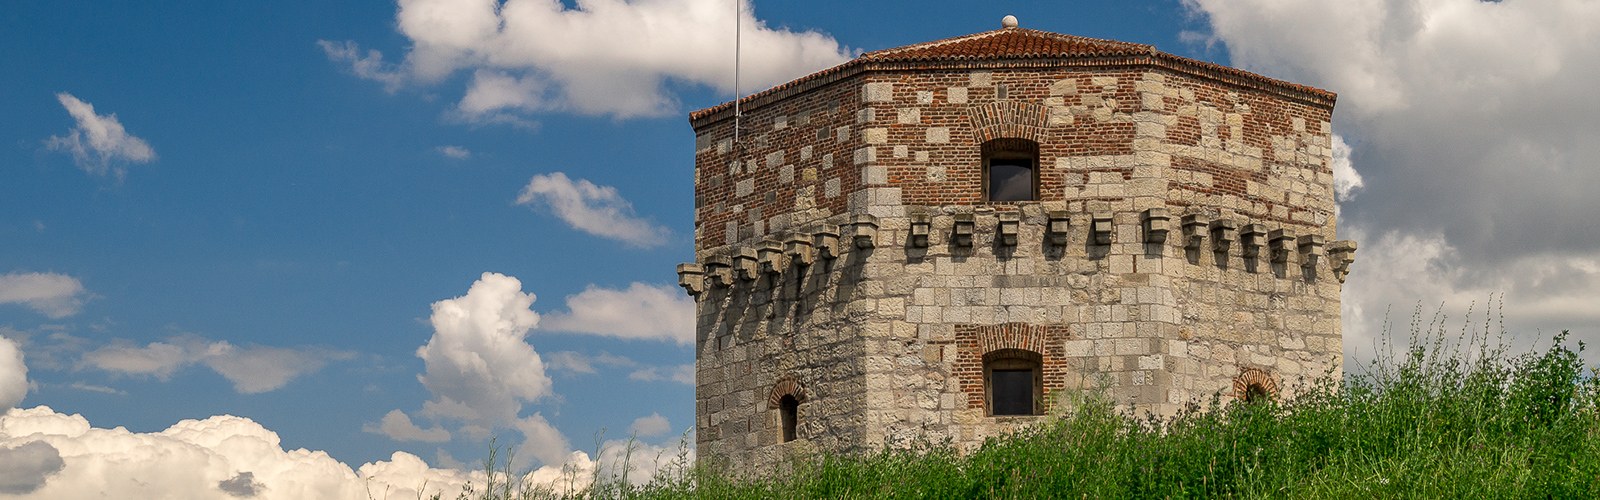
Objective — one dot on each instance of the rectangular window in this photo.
(1010, 179)
(1013, 392)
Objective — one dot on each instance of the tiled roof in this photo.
(1013, 43)
(1013, 47)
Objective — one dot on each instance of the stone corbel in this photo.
(1223, 234)
(827, 241)
(1195, 227)
(745, 264)
(961, 233)
(1059, 223)
(772, 259)
(720, 270)
(866, 230)
(1310, 249)
(1102, 227)
(1250, 239)
(798, 248)
(1340, 254)
(1010, 225)
(692, 277)
(1156, 223)
(921, 226)
(1279, 241)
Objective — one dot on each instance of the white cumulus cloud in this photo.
(99, 143)
(50, 294)
(399, 427)
(597, 210)
(51, 455)
(653, 425)
(13, 374)
(481, 369)
(604, 57)
(252, 369)
(642, 311)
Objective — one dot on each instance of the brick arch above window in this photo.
(1009, 119)
(1252, 376)
(786, 386)
(1021, 336)
(974, 342)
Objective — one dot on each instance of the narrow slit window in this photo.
(789, 412)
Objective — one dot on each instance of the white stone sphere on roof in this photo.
(1008, 22)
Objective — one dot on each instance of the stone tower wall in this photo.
(886, 343)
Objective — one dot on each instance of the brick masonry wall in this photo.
(882, 341)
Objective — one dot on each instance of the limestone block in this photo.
(1067, 86)
(876, 135)
(901, 151)
(924, 97)
(878, 92)
(981, 79)
(841, 134)
(745, 187)
(866, 155)
(938, 135)
(909, 115)
(786, 174)
(956, 95)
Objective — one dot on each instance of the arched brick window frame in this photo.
(1010, 134)
(978, 344)
(1253, 383)
(786, 397)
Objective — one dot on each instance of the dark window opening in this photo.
(788, 410)
(1013, 382)
(1013, 392)
(1011, 170)
(1255, 393)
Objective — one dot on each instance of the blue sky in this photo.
(272, 231)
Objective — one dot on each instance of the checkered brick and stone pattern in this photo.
(885, 342)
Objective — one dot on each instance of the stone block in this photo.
(878, 92)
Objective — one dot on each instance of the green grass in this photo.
(1452, 416)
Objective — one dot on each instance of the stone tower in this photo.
(935, 239)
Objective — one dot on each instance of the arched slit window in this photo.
(1013, 381)
(1010, 170)
(1256, 393)
(789, 412)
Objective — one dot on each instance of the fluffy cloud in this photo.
(398, 427)
(683, 374)
(50, 294)
(653, 425)
(99, 143)
(54, 455)
(605, 57)
(13, 374)
(1472, 126)
(597, 210)
(641, 311)
(253, 369)
(480, 369)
